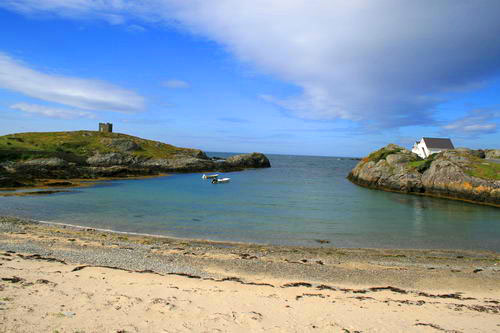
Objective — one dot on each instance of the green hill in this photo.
(37, 159)
(83, 144)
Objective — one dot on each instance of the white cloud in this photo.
(135, 28)
(52, 112)
(175, 84)
(80, 93)
(474, 122)
(383, 62)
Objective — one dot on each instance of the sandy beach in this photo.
(64, 279)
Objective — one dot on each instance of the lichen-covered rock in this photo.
(456, 174)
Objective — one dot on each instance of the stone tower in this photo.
(106, 127)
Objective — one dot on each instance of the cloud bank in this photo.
(475, 122)
(51, 111)
(386, 62)
(80, 93)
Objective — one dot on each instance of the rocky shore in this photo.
(460, 174)
(33, 158)
(67, 279)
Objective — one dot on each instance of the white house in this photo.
(428, 146)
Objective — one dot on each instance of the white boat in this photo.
(221, 180)
(209, 176)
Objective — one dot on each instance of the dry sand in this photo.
(206, 287)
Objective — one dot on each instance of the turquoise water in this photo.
(299, 200)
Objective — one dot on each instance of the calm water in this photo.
(298, 200)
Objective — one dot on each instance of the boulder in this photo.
(253, 160)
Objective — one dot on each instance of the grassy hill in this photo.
(82, 144)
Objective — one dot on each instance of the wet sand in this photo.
(66, 279)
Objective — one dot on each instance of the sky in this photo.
(305, 77)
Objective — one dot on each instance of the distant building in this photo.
(106, 127)
(428, 146)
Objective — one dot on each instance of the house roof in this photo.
(438, 143)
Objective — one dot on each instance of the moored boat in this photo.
(210, 176)
(221, 180)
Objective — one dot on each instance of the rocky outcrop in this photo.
(492, 154)
(457, 174)
(38, 158)
(253, 160)
(115, 164)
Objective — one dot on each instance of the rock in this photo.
(478, 153)
(199, 154)
(447, 174)
(111, 159)
(47, 162)
(253, 160)
(492, 154)
(124, 145)
(60, 184)
(9, 182)
(14, 279)
(69, 314)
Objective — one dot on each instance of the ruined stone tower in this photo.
(106, 127)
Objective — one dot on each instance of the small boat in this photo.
(209, 176)
(221, 180)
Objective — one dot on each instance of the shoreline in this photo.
(110, 238)
(49, 184)
(320, 244)
(56, 277)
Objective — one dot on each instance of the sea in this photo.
(299, 201)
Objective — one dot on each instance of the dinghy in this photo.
(221, 180)
(209, 176)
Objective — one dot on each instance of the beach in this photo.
(64, 279)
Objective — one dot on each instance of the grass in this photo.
(381, 154)
(477, 167)
(421, 165)
(483, 169)
(77, 145)
(416, 164)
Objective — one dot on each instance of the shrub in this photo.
(381, 154)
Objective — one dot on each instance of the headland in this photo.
(459, 174)
(66, 159)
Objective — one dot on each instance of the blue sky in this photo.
(329, 78)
